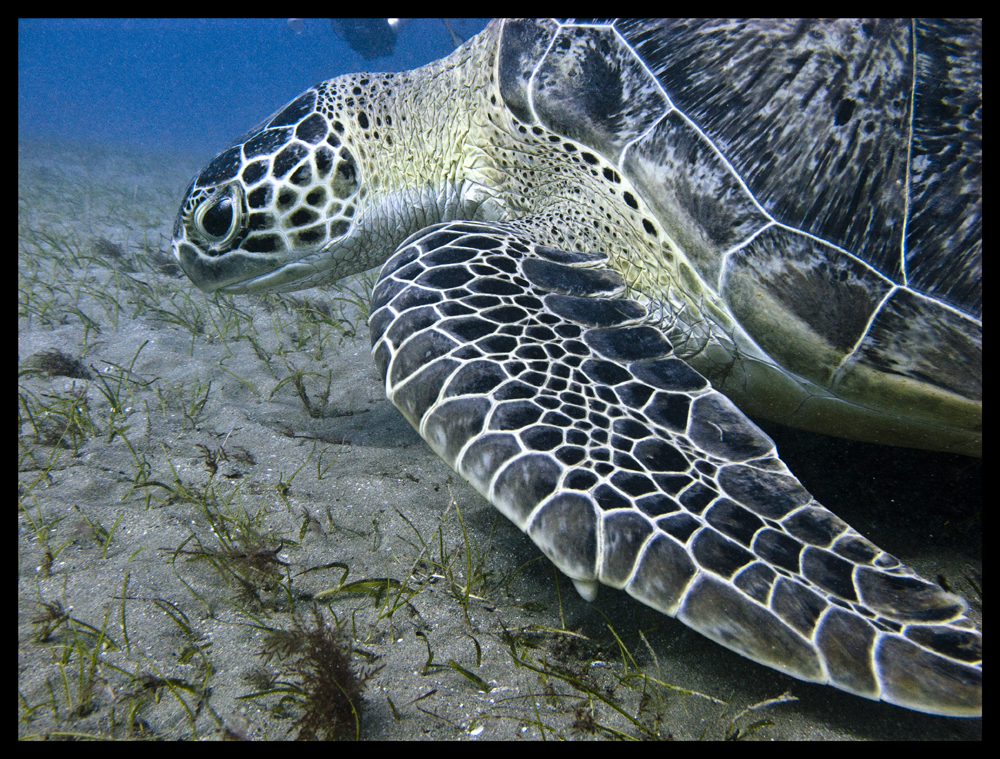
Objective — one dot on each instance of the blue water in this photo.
(193, 84)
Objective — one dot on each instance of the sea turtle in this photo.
(604, 244)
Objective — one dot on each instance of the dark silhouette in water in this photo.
(376, 37)
(370, 37)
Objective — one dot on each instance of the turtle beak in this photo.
(211, 273)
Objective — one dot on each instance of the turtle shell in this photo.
(824, 180)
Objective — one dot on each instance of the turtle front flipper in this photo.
(527, 373)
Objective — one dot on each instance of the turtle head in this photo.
(275, 211)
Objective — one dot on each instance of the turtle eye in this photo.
(220, 217)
